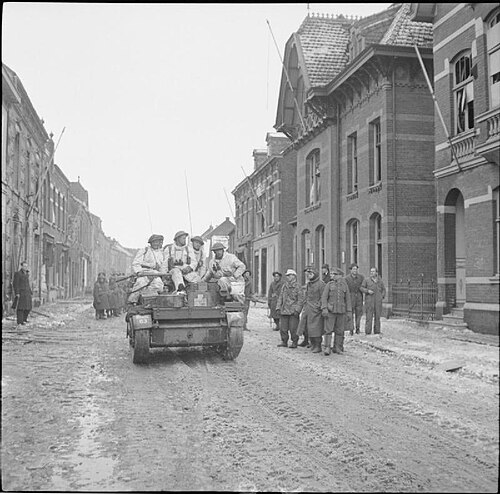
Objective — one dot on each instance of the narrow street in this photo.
(77, 414)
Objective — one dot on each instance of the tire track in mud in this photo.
(356, 449)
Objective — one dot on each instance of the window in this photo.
(17, 160)
(493, 47)
(378, 244)
(270, 206)
(375, 152)
(313, 191)
(463, 94)
(28, 175)
(307, 252)
(353, 232)
(352, 163)
(320, 246)
(496, 199)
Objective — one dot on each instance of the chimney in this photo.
(276, 143)
(259, 157)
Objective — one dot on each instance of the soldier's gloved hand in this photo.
(187, 270)
(324, 312)
(232, 278)
(199, 265)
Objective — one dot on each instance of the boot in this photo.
(327, 343)
(305, 341)
(316, 345)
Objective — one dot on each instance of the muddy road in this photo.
(78, 415)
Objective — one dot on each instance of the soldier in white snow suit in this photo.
(180, 262)
(224, 267)
(148, 260)
(199, 254)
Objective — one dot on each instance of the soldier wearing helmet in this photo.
(148, 260)
(225, 268)
(180, 262)
(199, 254)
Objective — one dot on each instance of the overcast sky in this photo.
(159, 101)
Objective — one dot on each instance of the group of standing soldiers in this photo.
(327, 305)
(110, 297)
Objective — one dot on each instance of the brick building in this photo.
(45, 217)
(265, 211)
(467, 89)
(361, 119)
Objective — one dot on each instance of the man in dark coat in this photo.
(22, 293)
(289, 305)
(249, 296)
(354, 280)
(272, 298)
(336, 308)
(101, 296)
(312, 319)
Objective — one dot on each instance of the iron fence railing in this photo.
(415, 299)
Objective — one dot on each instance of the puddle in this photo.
(87, 467)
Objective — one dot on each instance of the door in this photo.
(460, 252)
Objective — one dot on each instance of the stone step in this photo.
(456, 313)
(450, 320)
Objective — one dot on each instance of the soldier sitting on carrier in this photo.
(180, 262)
(225, 268)
(148, 260)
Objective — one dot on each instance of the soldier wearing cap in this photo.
(199, 255)
(374, 289)
(272, 298)
(148, 260)
(289, 305)
(180, 261)
(225, 268)
(335, 308)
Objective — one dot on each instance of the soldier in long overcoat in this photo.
(374, 290)
(272, 298)
(312, 319)
(115, 297)
(101, 296)
(22, 293)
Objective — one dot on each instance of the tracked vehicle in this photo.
(200, 317)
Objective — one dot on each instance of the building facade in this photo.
(362, 123)
(467, 89)
(45, 217)
(265, 211)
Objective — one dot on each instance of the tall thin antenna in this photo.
(149, 215)
(267, 74)
(189, 207)
(288, 79)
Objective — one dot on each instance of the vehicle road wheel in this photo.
(141, 346)
(235, 342)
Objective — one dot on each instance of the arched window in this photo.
(307, 251)
(313, 175)
(493, 47)
(320, 246)
(463, 93)
(376, 254)
(353, 241)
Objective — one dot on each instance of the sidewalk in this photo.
(433, 346)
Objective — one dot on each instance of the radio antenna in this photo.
(189, 207)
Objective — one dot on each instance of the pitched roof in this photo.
(225, 228)
(324, 41)
(404, 32)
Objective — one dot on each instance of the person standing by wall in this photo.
(289, 305)
(374, 290)
(335, 307)
(354, 281)
(311, 316)
(22, 293)
(101, 296)
(249, 296)
(272, 298)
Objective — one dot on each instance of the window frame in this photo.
(493, 51)
(463, 87)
